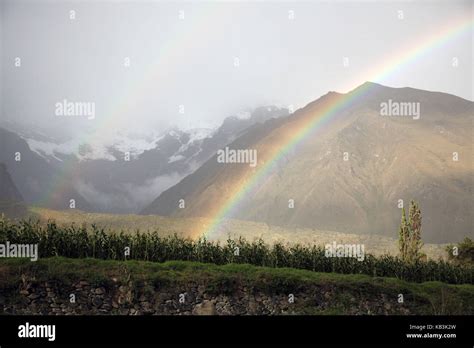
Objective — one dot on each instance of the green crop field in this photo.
(93, 242)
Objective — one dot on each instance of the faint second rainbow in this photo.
(246, 185)
(175, 47)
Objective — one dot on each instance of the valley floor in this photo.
(186, 227)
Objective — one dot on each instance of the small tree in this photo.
(403, 234)
(409, 242)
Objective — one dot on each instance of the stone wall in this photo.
(83, 297)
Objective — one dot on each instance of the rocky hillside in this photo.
(348, 174)
(11, 201)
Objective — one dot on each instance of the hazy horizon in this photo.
(194, 64)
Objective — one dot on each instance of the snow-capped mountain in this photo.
(37, 180)
(124, 173)
(92, 149)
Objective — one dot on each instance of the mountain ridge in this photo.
(105, 180)
(390, 158)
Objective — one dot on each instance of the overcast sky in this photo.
(287, 53)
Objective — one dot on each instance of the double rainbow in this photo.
(244, 188)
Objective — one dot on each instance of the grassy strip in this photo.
(423, 298)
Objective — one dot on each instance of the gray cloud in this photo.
(190, 61)
(127, 197)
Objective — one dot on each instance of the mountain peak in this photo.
(344, 195)
(371, 85)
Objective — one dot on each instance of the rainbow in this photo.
(175, 47)
(172, 49)
(320, 118)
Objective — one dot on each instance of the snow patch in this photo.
(176, 158)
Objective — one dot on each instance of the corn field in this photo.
(93, 242)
